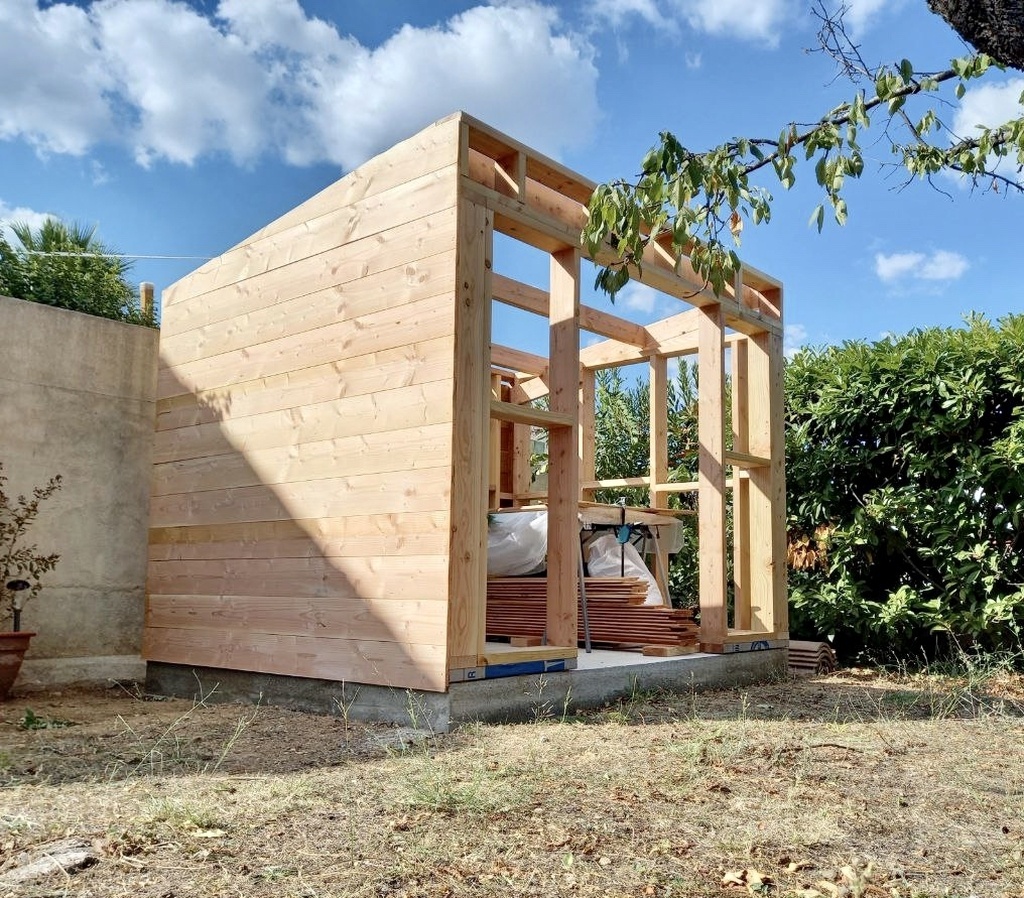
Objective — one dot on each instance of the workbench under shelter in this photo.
(336, 421)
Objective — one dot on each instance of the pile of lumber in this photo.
(811, 657)
(517, 607)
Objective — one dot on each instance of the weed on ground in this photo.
(859, 784)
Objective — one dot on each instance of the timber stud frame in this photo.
(329, 423)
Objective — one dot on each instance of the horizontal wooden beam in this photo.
(518, 360)
(519, 295)
(746, 460)
(616, 483)
(554, 224)
(684, 486)
(614, 353)
(532, 299)
(526, 389)
(524, 414)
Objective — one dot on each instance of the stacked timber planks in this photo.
(517, 606)
(811, 657)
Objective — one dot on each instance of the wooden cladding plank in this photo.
(405, 666)
(394, 287)
(420, 405)
(410, 533)
(711, 475)
(388, 369)
(408, 202)
(563, 449)
(337, 265)
(364, 453)
(412, 620)
(423, 490)
(425, 318)
(470, 433)
(769, 608)
(433, 148)
(372, 577)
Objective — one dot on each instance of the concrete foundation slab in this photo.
(602, 677)
(57, 673)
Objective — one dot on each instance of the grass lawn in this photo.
(853, 784)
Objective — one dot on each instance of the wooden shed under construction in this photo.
(336, 420)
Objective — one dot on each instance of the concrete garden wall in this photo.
(77, 398)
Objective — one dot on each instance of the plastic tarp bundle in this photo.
(607, 557)
(517, 544)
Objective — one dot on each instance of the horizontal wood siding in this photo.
(300, 519)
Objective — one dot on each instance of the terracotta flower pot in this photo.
(12, 651)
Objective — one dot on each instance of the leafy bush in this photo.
(20, 560)
(905, 477)
(68, 266)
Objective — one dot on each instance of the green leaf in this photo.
(818, 218)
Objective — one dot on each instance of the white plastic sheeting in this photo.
(607, 557)
(517, 544)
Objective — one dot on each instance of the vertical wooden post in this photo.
(563, 447)
(522, 449)
(711, 474)
(146, 298)
(658, 391)
(768, 597)
(740, 487)
(494, 451)
(588, 469)
(471, 424)
(658, 402)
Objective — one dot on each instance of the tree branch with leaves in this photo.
(703, 199)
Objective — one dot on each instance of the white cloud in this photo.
(13, 214)
(896, 265)
(54, 77)
(988, 105)
(940, 265)
(638, 297)
(861, 15)
(943, 265)
(794, 336)
(263, 77)
(619, 12)
(761, 22)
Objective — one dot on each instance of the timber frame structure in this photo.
(331, 403)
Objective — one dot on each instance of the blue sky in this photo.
(180, 128)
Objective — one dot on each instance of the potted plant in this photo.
(21, 569)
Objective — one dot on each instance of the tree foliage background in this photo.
(701, 200)
(905, 480)
(905, 487)
(66, 265)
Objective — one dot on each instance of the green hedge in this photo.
(905, 480)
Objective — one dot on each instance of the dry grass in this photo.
(857, 784)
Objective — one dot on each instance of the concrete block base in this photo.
(523, 698)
